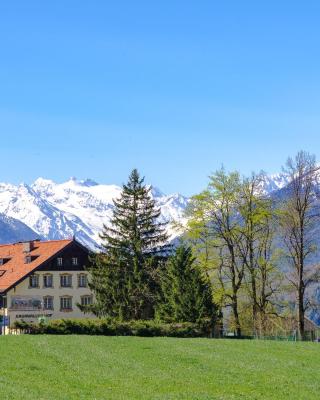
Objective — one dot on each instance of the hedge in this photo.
(116, 328)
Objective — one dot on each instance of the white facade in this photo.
(28, 303)
(43, 280)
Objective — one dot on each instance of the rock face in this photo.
(12, 230)
(73, 208)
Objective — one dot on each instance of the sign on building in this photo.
(26, 303)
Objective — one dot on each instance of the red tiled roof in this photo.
(16, 269)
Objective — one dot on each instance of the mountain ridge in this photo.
(75, 208)
(79, 208)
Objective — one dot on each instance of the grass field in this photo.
(83, 367)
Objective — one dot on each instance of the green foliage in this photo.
(231, 229)
(213, 219)
(109, 327)
(186, 291)
(124, 275)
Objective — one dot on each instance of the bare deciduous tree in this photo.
(298, 218)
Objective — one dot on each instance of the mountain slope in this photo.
(12, 230)
(80, 208)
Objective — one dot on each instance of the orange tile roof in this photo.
(16, 269)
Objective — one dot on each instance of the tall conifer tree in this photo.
(124, 274)
(186, 291)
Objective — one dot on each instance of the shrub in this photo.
(108, 327)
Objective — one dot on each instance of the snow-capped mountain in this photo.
(75, 208)
(274, 182)
(12, 230)
(79, 208)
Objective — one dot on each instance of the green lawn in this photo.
(84, 367)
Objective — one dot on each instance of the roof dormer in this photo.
(4, 260)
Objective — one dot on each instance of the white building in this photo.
(42, 279)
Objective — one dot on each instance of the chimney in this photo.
(27, 246)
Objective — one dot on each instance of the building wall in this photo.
(32, 314)
(30, 299)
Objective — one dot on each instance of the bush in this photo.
(109, 327)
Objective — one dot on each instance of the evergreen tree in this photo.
(124, 274)
(186, 292)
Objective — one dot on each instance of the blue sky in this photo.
(175, 88)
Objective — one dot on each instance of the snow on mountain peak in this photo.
(43, 182)
(274, 182)
(81, 207)
(88, 182)
(75, 207)
(156, 192)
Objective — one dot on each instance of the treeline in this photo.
(257, 249)
(244, 260)
(138, 275)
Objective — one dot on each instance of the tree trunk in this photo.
(236, 316)
(301, 327)
(301, 284)
(254, 304)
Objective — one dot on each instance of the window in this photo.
(27, 259)
(82, 280)
(48, 303)
(86, 300)
(66, 280)
(4, 301)
(34, 281)
(65, 303)
(74, 261)
(59, 261)
(47, 281)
